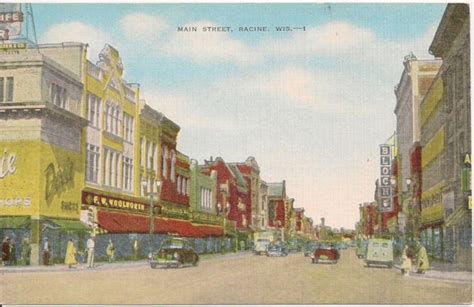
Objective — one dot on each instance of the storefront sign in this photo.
(15, 202)
(11, 46)
(98, 200)
(57, 180)
(7, 164)
(11, 20)
(385, 188)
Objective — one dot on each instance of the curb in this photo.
(438, 278)
(99, 266)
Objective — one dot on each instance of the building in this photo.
(447, 136)
(276, 204)
(42, 171)
(415, 81)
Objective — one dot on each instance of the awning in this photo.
(72, 225)
(455, 217)
(211, 230)
(14, 222)
(114, 222)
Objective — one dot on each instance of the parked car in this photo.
(379, 252)
(326, 252)
(361, 249)
(174, 252)
(277, 249)
(310, 248)
(261, 246)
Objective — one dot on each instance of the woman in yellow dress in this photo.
(70, 254)
(423, 262)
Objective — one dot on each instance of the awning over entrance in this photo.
(455, 217)
(68, 225)
(114, 222)
(14, 222)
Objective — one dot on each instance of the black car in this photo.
(277, 249)
(174, 252)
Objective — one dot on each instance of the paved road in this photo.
(244, 279)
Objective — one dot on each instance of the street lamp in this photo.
(151, 194)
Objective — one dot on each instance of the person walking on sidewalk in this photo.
(25, 251)
(423, 263)
(90, 252)
(46, 251)
(110, 251)
(406, 262)
(6, 251)
(70, 258)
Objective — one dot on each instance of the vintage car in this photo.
(379, 252)
(174, 252)
(260, 246)
(277, 249)
(326, 252)
(310, 247)
(295, 245)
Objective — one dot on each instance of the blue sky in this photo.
(311, 107)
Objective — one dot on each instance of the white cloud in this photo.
(143, 27)
(208, 47)
(75, 31)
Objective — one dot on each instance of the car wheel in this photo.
(313, 260)
(153, 265)
(195, 261)
(179, 265)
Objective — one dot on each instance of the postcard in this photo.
(235, 153)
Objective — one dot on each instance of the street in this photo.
(239, 279)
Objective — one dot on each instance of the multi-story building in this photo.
(447, 135)
(276, 204)
(264, 205)
(415, 81)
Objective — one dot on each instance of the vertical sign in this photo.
(11, 20)
(385, 188)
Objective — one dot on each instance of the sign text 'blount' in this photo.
(385, 188)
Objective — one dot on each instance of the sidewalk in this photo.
(440, 271)
(105, 265)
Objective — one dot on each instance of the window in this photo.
(92, 163)
(127, 174)
(165, 162)
(128, 127)
(173, 161)
(112, 169)
(183, 186)
(59, 96)
(459, 75)
(94, 110)
(206, 196)
(113, 121)
(6, 89)
(178, 185)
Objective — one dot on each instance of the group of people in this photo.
(71, 252)
(422, 262)
(9, 252)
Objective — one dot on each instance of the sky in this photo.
(312, 106)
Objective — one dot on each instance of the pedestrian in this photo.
(6, 251)
(25, 251)
(406, 261)
(46, 251)
(135, 249)
(110, 251)
(423, 263)
(90, 252)
(70, 258)
(12, 253)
